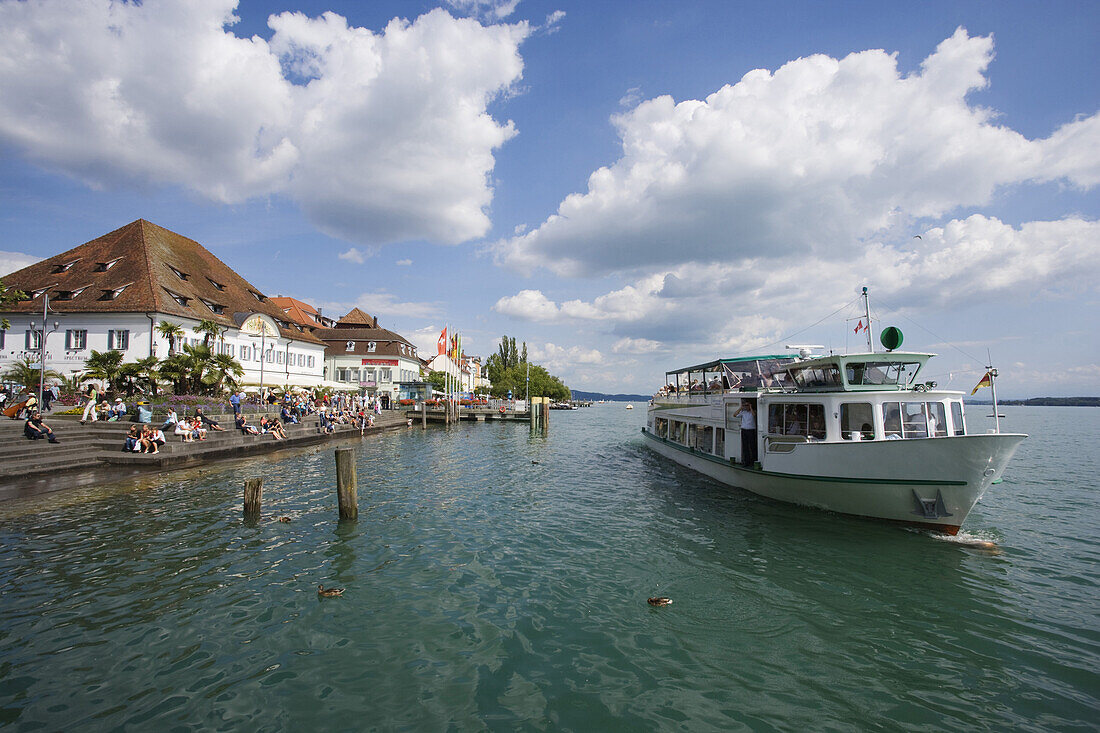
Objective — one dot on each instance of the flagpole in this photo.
(867, 314)
(993, 389)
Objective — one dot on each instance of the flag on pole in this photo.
(860, 326)
(441, 345)
(987, 380)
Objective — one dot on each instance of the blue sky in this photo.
(600, 179)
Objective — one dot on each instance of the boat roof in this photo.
(880, 357)
(717, 363)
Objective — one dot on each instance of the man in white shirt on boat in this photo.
(747, 411)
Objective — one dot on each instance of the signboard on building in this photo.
(380, 362)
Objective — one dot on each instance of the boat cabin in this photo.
(825, 399)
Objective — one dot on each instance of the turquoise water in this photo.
(486, 591)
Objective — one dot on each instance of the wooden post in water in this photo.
(424, 415)
(253, 495)
(532, 417)
(545, 412)
(347, 484)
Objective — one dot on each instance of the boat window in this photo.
(702, 438)
(891, 420)
(937, 419)
(797, 418)
(957, 418)
(878, 373)
(661, 425)
(816, 377)
(733, 423)
(857, 421)
(914, 420)
(720, 442)
(678, 432)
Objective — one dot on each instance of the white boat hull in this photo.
(932, 482)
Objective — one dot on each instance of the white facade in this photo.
(374, 375)
(267, 358)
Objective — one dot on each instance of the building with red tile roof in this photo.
(112, 292)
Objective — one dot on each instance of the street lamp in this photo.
(42, 347)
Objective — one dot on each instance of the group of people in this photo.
(144, 439)
(27, 406)
(265, 427)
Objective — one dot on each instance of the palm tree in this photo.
(171, 331)
(26, 373)
(210, 331)
(140, 371)
(73, 383)
(105, 365)
(186, 370)
(227, 369)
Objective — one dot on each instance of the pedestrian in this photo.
(235, 403)
(93, 397)
(47, 398)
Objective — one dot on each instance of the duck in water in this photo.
(329, 592)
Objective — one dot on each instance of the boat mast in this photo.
(993, 390)
(867, 315)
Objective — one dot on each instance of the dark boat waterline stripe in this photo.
(776, 474)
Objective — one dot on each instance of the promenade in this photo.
(98, 447)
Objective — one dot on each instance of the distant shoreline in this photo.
(1044, 402)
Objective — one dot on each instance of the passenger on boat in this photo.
(867, 432)
(817, 427)
(747, 411)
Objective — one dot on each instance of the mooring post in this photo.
(253, 495)
(545, 413)
(347, 484)
(531, 412)
(424, 415)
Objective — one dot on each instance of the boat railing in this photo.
(783, 443)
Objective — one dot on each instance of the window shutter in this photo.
(68, 340)
(125, 340)
(110, 340)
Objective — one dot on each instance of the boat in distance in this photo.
(858, 434)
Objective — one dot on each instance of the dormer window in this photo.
(257, 296)
(104, 266)
(216, 284)
(179, 274)
(64, 267)
(69, 294)
(215, 307)
(181, 299)
(113, 294)
(371, 347)
(351, 346)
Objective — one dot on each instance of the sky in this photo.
(629, 187)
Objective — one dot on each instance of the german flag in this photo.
(987, 380)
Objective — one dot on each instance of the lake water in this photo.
(488, 591)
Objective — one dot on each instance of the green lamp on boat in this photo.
(891, 337)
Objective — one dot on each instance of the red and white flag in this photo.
(860, 326)
(441, 345)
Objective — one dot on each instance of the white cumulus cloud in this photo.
(737, 307)
(14, 261)
(812, 159)
(377, 136)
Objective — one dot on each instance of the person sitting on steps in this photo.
(35, 429)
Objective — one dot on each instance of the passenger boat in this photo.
(858, 434)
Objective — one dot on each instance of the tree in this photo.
(227, 370)
(141, 372)
(507, 370)
(438, 380)
(171, 331)
(104, 365)
(187, 370)
(210, 330)
(24, 372)
(9, 297)
(73, 383)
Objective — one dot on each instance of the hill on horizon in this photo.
(581, 395)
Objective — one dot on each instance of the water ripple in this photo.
(488, 591)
